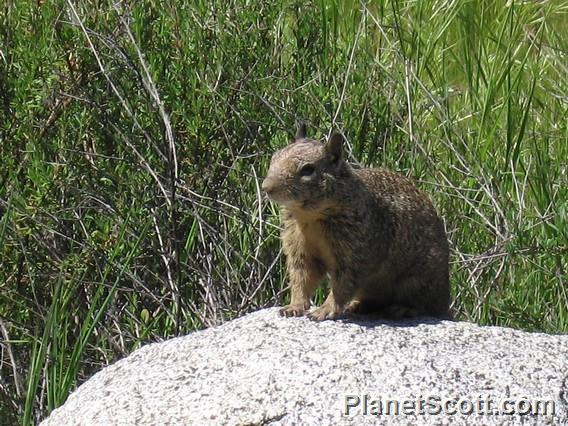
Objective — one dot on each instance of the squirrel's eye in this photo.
(307, 170)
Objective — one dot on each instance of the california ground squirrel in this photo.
(375, 234)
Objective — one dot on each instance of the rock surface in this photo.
(262, 369)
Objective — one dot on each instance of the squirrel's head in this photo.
(302, 174)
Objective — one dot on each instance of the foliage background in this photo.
(134, 135)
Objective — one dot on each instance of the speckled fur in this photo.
(376, 235)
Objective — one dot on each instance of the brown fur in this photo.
(375, 234)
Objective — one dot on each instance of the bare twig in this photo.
(348, 72)
(166, 259)
(123, 101)
(13, 363)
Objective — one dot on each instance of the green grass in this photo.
(132, 143)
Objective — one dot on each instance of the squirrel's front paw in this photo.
(293, 310)
(324, 312)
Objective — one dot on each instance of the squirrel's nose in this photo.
(268, 185)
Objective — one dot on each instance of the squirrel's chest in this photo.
(316, 242)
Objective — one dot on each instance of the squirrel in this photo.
(371, 230)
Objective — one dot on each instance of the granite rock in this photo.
(262, 369)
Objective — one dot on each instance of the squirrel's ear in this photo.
(301, 132)
(334, 146)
